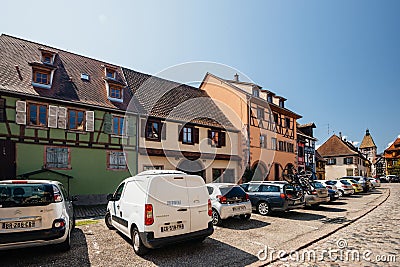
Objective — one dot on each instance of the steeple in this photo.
(367, 142)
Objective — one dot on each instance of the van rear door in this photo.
(198, 201)
(171, 210)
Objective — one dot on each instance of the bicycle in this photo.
(299, 181)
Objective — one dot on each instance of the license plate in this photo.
(173, 227)
(239, 208)
(15, 225)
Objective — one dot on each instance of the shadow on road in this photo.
(48, 255)
(329, 209)
(238, 224)
(337, 203)
(192, 254)
(299, 216)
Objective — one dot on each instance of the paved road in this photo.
(373, 240)
(237, 243)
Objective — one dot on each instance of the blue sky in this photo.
(337, 62)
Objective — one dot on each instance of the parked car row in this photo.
(390, 179)
(155, 208)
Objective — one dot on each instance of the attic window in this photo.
(111, 73)
(281, 103)
(85, 76)
(41, 77)
(47, 57)
(115, 92)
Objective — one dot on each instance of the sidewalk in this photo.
(90, 212)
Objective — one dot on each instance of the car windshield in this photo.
(232, 191)
(354, 181)
(317, 185)
(344, 182)
(21, 195)
(330, 182)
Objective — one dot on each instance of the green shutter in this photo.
(107, 124)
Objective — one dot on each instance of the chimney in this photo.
(236, 77)
(340, 135)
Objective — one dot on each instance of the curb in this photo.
(309, 243)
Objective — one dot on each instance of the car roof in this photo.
(17, 181)
(159, 172)
(221, 184)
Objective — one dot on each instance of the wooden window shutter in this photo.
(20, 116)
(107, 124)
(90, 121)
(223, 139)
(163, 131)
(62, 117)
(180, 132)
(196, 135)
(209, 137)
(52, 119)
(2, 110)
(130, 125)
(143, 123)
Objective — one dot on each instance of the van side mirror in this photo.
(110, 197)
(73, 198)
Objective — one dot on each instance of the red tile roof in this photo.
(335, 147)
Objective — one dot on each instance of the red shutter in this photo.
(196, 135)
(223, 139)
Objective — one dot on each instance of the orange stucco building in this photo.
(268, 140)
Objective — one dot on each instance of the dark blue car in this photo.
(266, 197)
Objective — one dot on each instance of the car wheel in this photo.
(341, 193)
(107, 219)
(215, 218)
(138, 246)
(245, 217)
(66, 245)
(263, 208)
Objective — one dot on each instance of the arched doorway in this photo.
(194, 167)
(260, 171)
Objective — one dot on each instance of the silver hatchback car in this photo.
(228, 200)
(34, 213)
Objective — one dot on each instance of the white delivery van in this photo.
(159, 207)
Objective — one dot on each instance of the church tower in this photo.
(369, 149)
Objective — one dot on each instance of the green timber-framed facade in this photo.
(65, 112)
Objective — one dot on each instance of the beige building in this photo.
(369, 150)
(268, 128)
(342, 159)
(180, 127)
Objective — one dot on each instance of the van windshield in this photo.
(22, 195)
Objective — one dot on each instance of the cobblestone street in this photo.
(373, 240)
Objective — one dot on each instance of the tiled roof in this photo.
(67, 83)
(311, 124)
(318, 156)
(334, 147)
(367, 141)
(393, 151)
(172, 100)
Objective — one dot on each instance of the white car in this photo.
(228, 200)
(343, 187)
(35, 213)
(330, 186)
(375, 182)
(156, 208)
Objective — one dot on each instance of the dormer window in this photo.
(47, 57)
(115, 92)
(41, 77)
(281, 103)
(111, 73)
(269, 98)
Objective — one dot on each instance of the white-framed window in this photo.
(260, 113)
(256, 92)
(331, 161)
(273, 143)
